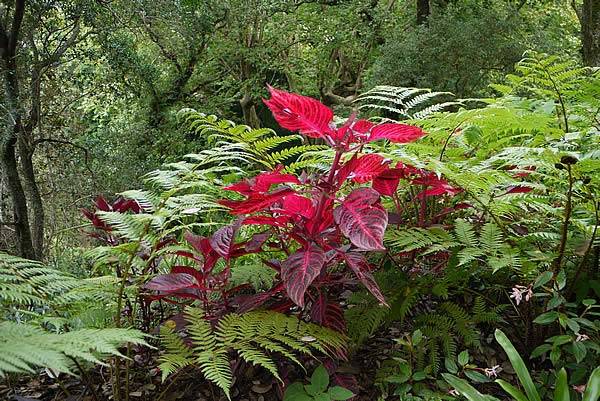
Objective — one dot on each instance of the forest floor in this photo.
(254, 386)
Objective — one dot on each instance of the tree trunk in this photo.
(12, 129)
(34, 198)
(8, 162)
(423, 11)
(249, 111)
(590, 32)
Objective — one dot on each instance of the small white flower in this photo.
(518, 291)
(581, 337)
(516, 295)
(493, 371)
(453, 392)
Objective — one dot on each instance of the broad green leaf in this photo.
(418, 376)
(541, 350)
(320, 379)
(465, 389)
(518, 365)
(417, 337)
(546, 318)
(512, 390)
(463, 358)
(592, 389)
(477, 377)
(580, 351)
(450, 365)
(340, 393)
(543, 279)
(295, 392)
(561, 392)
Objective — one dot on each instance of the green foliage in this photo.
(262, 147)
(255, 337)
(561, 392)
(24, 346)
(465, 45)
(318, 389)
(405, 103)
(37, 298)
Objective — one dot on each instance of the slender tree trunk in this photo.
(423, 11)
(249, 111)
(8, 162)
(12, 129)
(590, 32)
(34, 198)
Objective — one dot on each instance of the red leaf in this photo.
(300, 269)
(300, 113)
(171, 282)
(362, 219)
(256, 202)
(262, 182)
(399, 133)
(279, 221)
(265, 180)
(519, 189)
(257, 241)
(102, 204)
(321, 223)
(298, 205)
(387, 182)
(328, 314)
(247, 303)
(223, 239)
(365, 168)
(243, 187)
(362, 126)
(438, 186)
(361, 268)
(202, 245)
(188, 270)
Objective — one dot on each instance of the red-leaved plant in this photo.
(306, 218)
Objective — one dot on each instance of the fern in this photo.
(407, 103)
(253, 336)
(23, 347)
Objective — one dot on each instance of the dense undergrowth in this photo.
(272, 250)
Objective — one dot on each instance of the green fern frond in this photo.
(23, 347)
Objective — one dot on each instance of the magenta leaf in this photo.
(328, 314)
(367, 167)
(256, 202)
(399, 133)
(300, 269)
(361, 268)
(387, 182)
(263, 181)
(362, 219)
(298, 205)
(256, 242)
(171, 282)
(518, 189)
(300, 113)
(187, 270)
(223, 240)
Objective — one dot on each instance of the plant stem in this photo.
(86, 378)
(565, 227)
(588, 250)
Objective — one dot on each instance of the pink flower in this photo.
(493, 371)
